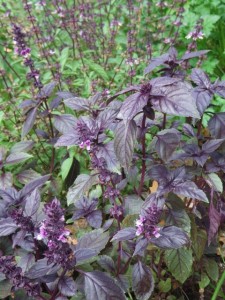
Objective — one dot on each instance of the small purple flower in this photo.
(117, 212)
(85, 145)
(195, 35)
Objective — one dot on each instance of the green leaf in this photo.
(211, 268)
(82, 184)
(179, 263)
(65, 168)
(97, 69)
(165, 285)
(204, 281)
(216, 182)
(63, 58)
(199, 242)
(5, 289)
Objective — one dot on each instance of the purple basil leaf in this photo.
(177, 100)
(214, 222)
(46, 91)
(65, 123)
(27, 175)
(7, 227)
(68, 140)
(108, 153)
(212, 145)
(67, 286)
(126, 90)
(61, 298)
(203, 98)
(18, 237)
(41, 133)
(17, 157)
(124, 142)
(107, 263)
(188, 130)
(22, 146)
(78, 104)
(140, 247)
(108, 223)
(28, 188)
(132, 105)
(166, 142)
(216, 125)
(156, 62)
(142, 281)
(107, 117)
(98, 285)
(200, 78)
(27, 103)
(65, 95)
(95, 240)
(171, 237)
(123, 281)
(41, 268)
(84, 254)
(125, 234)
(219, 88)
(94, 219)
(30, 119)
(32, 203)
(6, 180)
(163, 81)
(189, 189)
(82, 184)
(55, 103)
(26, 261)
(159, 173)
(78, 214)
(194, 54)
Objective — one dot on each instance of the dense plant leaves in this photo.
(132, 105)
(27, 126)
(212, 145)
(216, 125)
(67, 286)
(65, 123)
(214, 222)
(188, 130)
(176, 100)
(219, 88)
(179, 263)
(171, 237)
(142, 281)
(98, 285)
(7, 226)
(26, 262)
(82, 184)
(189, 189)
(5, 288)
(125, 137)
(166, 142)
(124, 234)
(94, 219)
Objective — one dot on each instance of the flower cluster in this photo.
(23, 50)
(54, 232)
(14, 273)
(25, 223)
(147, 223)
(117, 212)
